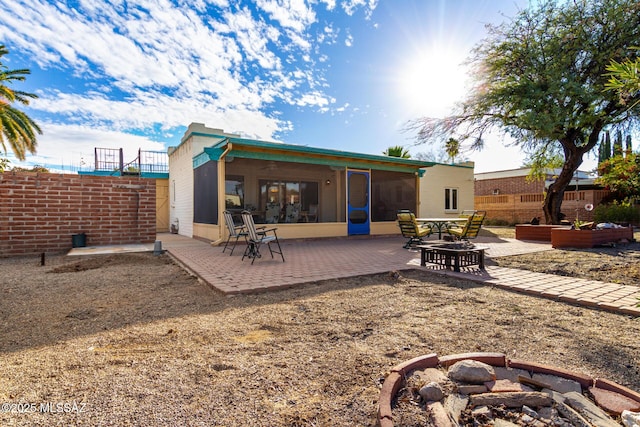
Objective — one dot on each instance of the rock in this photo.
(510, 373)
(431, 392)
(482, 412)
(499, 422)
(559, 384)
(612, 402)
(499, 386)
(472, 389)
(471, 371)
(438, 416)
(596, 416)
(630, 419)
(511, 399)
(432, 375)
(573, 416)
(454, 404)
(528, 411)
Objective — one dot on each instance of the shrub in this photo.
(617, 212)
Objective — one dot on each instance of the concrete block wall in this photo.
(39, 212)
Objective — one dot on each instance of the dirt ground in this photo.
(132, 339)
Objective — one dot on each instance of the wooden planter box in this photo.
(563, 238)
(540, 233)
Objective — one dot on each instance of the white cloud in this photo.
(293, 14)
(134, 66)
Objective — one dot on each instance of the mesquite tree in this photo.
(541, 79)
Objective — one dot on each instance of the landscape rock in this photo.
(432, 375)
(510, 373)
(438, 416)
(630, 419)
(499, 422)
(454, 404)
(596, 416)
(472, 389)
(511, 400)
(499, 386)
(559, 384)
(613, 402)
(431, 392)
(471, 371)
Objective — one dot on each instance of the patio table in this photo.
(440, 223)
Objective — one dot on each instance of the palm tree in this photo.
(397, 151)
(452, 147)
(16, 128)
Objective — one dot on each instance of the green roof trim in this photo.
(262, 150)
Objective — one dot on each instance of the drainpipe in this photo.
(221, 175)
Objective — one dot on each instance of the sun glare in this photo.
(432, 82)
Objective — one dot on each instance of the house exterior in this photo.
(446, 190)
(309, 192)
(508, 196)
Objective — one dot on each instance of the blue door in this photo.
(357, 202)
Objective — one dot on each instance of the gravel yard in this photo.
(132, 339)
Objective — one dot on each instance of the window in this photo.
(450, 199)
(234, 192)
(301, 193)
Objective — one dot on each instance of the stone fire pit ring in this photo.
(608, 391)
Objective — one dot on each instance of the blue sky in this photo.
(335, 74)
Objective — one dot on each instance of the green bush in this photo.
(617, 212)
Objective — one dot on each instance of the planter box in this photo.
(540, 233)
(563, 238)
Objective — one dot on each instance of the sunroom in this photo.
(308, 192)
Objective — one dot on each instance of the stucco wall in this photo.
(181, 185)
(432, 186)
(39, 212)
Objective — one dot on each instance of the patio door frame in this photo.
(355, 214)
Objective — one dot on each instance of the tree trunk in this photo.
(555, 193)
(573, 159)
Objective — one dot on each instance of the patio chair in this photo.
(470, 229)
(411, 230)
(256, 238)
(236, 231)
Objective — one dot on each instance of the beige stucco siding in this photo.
(432, 189)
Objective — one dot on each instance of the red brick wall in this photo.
(39, 212)
(521, 208)
(511, 185)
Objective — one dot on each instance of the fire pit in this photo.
(452, 255)
(489, 389)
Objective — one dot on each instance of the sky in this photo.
(337, 74)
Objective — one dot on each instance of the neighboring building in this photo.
(309, 192)
(510, 197)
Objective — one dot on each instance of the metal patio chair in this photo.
(236, 231)
(470, 229)
(411, 230)
(256, 238)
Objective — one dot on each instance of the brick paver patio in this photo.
(324, 259)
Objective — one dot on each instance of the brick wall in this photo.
(510, 185)
(39, 212)
(521, 208)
